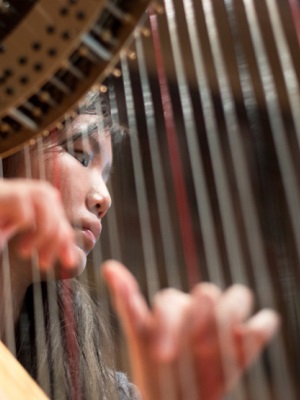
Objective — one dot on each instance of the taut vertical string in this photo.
(43, 373)
(6, 296)
(295, 10)
(70, 327)
(172, 267)
(57, 374)
(143, 204)
(187, 235)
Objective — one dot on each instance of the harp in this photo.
(209, 173)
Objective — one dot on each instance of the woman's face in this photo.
(79, 166)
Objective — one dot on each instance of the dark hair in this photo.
(76, 359)
(96, 102)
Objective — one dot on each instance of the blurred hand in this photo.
(189, 346)
(32, 212)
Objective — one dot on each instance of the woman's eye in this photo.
(82, 157)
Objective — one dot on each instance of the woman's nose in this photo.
(99, 200)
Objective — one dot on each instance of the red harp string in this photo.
(186, 230)
(295, 10)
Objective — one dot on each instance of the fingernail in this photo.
(271, 322)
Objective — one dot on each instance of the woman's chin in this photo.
(72, 272)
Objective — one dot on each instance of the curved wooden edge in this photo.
(15, 382)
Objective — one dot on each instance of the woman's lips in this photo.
(86, 237)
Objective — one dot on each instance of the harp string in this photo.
(237, 264)
(282, 378)
(43, 372)
(70, 325)
(238, 274)
(277, 126)
(267, 296)
(186, 231)
(7, 300)
(288, 71)
(260, 269)
(115, 242)
(166, 374)
(51, 300)
(186, 369)
(6, 296)
(203, 201)
(295, 10)
(186, 364)
(57, 390)
(114, 239)
(225, 196)
(173, 274)
(143, 206)
(66, 296)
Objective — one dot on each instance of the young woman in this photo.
(188, 346)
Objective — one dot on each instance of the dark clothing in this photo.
(127, 390)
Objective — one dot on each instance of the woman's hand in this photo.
(32, 213)
(189, 346)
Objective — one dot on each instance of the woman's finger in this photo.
(234, 306)
(251, 337)
(171, 310)
(129, 303)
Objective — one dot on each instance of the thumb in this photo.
(126, 297)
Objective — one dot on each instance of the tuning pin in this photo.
(45, 97)
(46, 133)
(131, 55)
(145, 32)
(32, 142)
(106, 35)
(117, 73)
(59, 126)
(4, 127)
(37, 112)
(158, 8)
(118, 13)
(103, 89)
(100, 87)
(83, 51)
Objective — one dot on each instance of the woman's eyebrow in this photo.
(86, 133)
